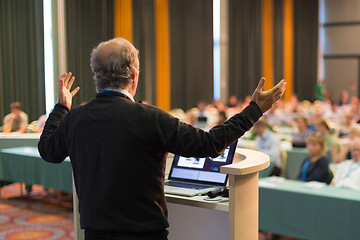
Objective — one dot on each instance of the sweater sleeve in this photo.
(51, 146)
(185, 140)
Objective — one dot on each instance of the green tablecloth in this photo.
(19, 140)
(292, 208)
(24, 164)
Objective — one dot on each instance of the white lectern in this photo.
(244, 193)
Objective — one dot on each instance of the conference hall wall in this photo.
(271, 38)
(341, 29)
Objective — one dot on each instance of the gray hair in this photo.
(113, 63)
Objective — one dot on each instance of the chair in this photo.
(283, 162)
(330, 176)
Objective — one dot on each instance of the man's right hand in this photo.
(266, 99)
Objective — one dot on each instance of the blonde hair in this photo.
(317, 139)
(325, 124)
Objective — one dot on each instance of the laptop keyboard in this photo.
(186, 185)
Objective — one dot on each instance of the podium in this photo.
(243, 207)
(244, 193)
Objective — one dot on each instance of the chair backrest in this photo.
(330, 176)
(283, 162)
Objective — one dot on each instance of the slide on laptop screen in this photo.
(191, 176)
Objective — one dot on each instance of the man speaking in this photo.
(118, 147)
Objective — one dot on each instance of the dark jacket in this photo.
(118, 150)
(318, 171)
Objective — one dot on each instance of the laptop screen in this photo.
(202, 170)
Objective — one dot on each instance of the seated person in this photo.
(345, 152)
(16, 121)
(232, 101)
(346, 125)
(316, 166)
(268, 142)
(222, 118)
(303, 132)
(41, 123)
(348, 172)
(332, 142)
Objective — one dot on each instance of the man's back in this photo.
(118, 167)
(118, 151)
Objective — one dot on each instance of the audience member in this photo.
(314, 118)
(316, 166)
(16, 121)
(328, 134)
(345, 152)
(41, 123)
(302, 133)
(344, 98)
(333, 112)
(346, 125)
(268, 142)
(347, 173)
(293, 105)
(232, 101)
(321, 90)
(222, 118)
(201, 105)
(202, 115)
(274, 116)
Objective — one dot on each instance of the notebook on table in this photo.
(190, 176)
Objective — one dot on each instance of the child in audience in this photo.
(348, 172)
(316, 166)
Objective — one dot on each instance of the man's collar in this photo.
(127, 94)
(121, 91)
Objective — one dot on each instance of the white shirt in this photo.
(269, 143)
(347, 175)
(127, 94)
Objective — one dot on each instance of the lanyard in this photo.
(351, 169)
(304, 169)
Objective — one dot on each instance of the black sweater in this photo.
(118, 150)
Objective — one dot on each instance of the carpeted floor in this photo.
(37, 216)
(40, 216)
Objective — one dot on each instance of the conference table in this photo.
(24, 165)
(10, 140)
(312, 211)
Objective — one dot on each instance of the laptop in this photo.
(190, 176)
